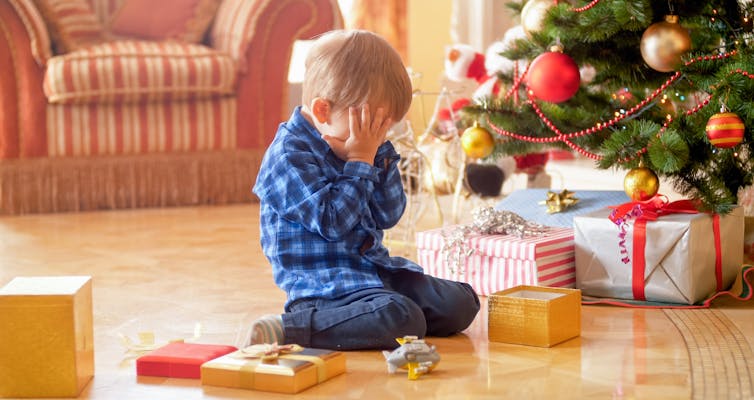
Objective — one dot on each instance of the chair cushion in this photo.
(72, 24)
(182, 20)
(134, 71)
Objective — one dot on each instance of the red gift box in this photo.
(500, 262)
(180, 360)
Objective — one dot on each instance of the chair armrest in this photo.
(239, 23)
(260, 35)
(39, 37)
(24, 47)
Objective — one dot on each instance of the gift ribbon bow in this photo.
(485, 221)
(270, 353)
(557, 202)
(651, 210)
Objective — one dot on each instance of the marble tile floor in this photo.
(165, 270)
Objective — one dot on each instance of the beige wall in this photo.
(432, 26)
(428, 34)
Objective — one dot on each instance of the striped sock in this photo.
(267, 329)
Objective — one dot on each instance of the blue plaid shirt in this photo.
(321, 218)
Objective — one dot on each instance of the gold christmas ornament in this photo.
(558, 202)
(477, 142)
(641, 184)
(533, 15)
(663, 44)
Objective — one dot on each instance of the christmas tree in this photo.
(659, 86)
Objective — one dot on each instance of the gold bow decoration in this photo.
(260, 355)
(558, 202)
(268, 352)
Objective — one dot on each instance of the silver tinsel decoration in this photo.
(487, 221)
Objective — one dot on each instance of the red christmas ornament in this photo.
(725, 130)
(553, 77)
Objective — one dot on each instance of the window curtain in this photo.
(384, 17)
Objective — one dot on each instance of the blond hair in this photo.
(350, 68)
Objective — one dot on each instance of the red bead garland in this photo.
(516, 83)
(566, 137)
(586, 7)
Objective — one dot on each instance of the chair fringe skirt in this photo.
(44, 185)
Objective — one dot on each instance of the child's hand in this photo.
(367, 134)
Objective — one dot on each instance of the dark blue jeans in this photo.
(411, 303)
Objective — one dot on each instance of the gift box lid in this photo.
(557, 240)
(44, 285)
(179, 359)
(525, 203)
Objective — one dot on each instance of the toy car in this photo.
(414, 354)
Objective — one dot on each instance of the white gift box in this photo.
(679, 256)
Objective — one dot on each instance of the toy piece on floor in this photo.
(147, 342)
(414, 354)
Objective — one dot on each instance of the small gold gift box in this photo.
(287, 373)
(46, 336)
(534, 315)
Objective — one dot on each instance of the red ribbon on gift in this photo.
(651, 210)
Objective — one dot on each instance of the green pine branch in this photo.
(669, 139)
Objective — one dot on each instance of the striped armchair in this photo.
(132, 121)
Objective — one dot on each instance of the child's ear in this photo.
(321, 110)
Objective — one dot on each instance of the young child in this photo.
(328, 186)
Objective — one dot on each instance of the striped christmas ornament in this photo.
(725, 130)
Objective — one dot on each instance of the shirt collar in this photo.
(299, 123)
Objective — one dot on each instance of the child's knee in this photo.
(463, 305)
(407, 317)
(464, 299)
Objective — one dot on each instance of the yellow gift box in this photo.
(534, 315)
(46, 336)
(288, 373)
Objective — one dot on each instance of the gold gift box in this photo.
(46, 336)
(534, 315)
(289, 373)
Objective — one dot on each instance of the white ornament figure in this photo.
(463, 63)
(495, 62)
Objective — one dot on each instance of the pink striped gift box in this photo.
(500, 262)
